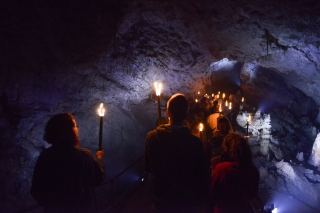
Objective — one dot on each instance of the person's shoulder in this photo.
(83, 151)
(225, 166)
(151, 134)
(192, 138)
(162, 129)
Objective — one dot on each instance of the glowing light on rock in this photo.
(315, 154)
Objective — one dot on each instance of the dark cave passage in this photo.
(71, 56)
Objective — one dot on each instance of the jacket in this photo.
(64, 179)
(177, 163)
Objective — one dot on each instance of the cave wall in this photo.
(71, 56)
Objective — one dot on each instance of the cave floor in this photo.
(141, 199)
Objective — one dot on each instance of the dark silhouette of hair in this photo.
(223, 124)
(237, 149)
(61, 130)
(177, 106)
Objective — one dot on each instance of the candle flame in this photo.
(242, 99)
(201, 127)
(223, 95)
(218, 96)
(249, 118)
(198, 92)
(226, 103)
(101, 110)
(230, 105)
(196, 100)
(158, 87)
(212, 95)
(220, 109)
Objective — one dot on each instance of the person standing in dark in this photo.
(236, 180)
(177, 163)
(214, 147)
(65, 175)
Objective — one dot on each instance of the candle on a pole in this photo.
(249, 118)
(158, 87)
(201, 129)
(230, 107)
(101, 112)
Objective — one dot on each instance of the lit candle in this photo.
(218, 96)
(158, 87)
(201, 127)
(196, 100)
(198, 92)
(226, 103)
(212, 95)
(242, 100)
(223, 95)
(220, 109)
(230, 105)
(101, 112)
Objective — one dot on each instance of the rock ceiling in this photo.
(175, 40)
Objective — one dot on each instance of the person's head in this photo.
(62, 130)
(216, 106)
(223, 124)
(177, 109)
(237, 148)
(230, 97)
(200, 116)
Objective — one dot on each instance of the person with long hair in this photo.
(214, 147)
(235, 181)
(65, 174)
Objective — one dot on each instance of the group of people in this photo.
(189, 175)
